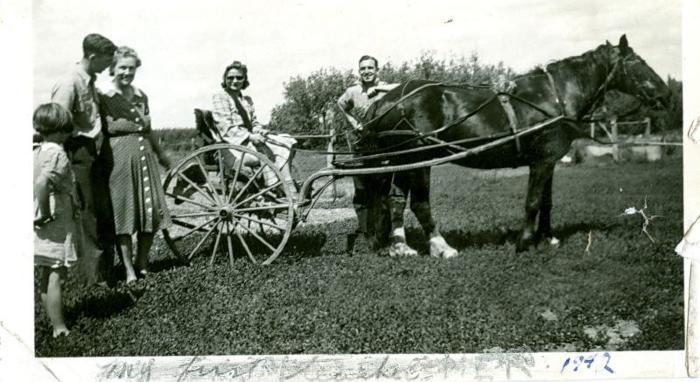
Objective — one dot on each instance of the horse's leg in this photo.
(540, 173)
(420, 205)
(544, 225)
(400, 188)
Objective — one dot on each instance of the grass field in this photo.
(624, 293)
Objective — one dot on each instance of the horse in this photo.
(420, 113)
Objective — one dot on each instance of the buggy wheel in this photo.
(219, 204)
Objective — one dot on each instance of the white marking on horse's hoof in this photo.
(554, 242)
(401, 249)
(440, 248)
(449, 253)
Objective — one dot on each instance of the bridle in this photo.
(641, 88)
(619, 63)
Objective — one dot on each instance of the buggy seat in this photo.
(206, 127)
(198, 174)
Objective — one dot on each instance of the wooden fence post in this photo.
(614, 136)
(647, 129)
(330, 157)
(592, 129)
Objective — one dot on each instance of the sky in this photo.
(184, 46)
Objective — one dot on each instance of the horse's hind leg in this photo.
(544, 225)
(420, 205)
(540, 174)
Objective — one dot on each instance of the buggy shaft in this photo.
(338, 173)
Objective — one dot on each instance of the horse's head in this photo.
(631, 75)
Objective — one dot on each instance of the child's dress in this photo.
(56, 242)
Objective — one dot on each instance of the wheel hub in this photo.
(226, 213)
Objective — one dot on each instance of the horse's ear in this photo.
(608, 43)
(624, 45)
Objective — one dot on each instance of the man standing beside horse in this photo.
(371, 205)
(381, 199)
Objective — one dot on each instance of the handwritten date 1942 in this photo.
(581, 361)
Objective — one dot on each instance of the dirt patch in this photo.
(616, 336)
(330, 215)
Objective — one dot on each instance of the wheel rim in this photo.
(221, 208)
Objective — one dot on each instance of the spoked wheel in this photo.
(222, 204)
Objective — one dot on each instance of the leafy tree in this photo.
(309, 102)
(674, 120)
(458, 69)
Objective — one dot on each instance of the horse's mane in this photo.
(600, 53)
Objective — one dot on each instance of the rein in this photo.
(601, 89)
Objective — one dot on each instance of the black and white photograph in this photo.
(447, 190)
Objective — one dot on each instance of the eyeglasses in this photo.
(367, 67)
(237, 78)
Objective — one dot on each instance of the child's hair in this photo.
(51, 118)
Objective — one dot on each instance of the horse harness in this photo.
(504, 98)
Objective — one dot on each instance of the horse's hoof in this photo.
(440, 249)
(553, 242)
(360, 244)
(401, 249)
(523, 245)
(525, 241)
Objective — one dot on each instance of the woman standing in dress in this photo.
(138, 200)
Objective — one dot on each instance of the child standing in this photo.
(56, 229)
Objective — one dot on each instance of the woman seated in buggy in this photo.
(234, 121)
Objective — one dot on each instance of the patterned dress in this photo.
(56, 243)
(138, 200)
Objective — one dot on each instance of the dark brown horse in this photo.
(421, 113)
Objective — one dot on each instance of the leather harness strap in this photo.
(556, 91)
(504, 99)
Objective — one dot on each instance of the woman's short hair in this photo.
(97, 44)
(368, 57)
(123, 52)
(50, 118)
(241, 68)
